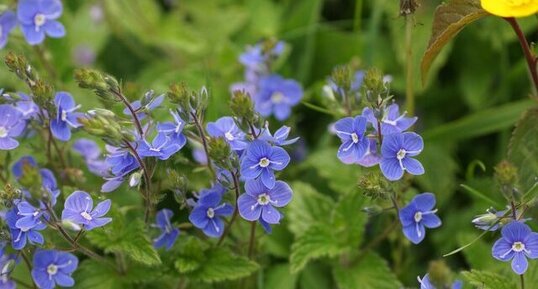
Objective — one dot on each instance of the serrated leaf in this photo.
(279, 277)
(316, 242)
(449, 19)
(307, 207)
(348, 220)
(488, 280)
(91, 274)
(221, 264)
(191, 256)
(523, 150)
(371, 272)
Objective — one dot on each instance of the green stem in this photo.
(28, 264)
(358, 16)
(236, 211)
(531, 60)
(409, 91)
(252, 240)
(522, 278)
(201, 133)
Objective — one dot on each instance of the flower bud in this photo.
(103, 85)
(373, 80)
(440, 274)
(243, 109)
(374, 186)
(342, 77)
(70, 225)
(135, 178)
(506, 176)
(220, 152)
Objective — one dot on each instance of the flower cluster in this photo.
(37, 19)
(272, 94)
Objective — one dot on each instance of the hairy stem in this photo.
(409, 91)
(236, 211)
(147, 181)
(123, 99)
(204, 141)
(531, 60)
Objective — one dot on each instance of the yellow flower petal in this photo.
(510, 8)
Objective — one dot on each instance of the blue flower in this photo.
(174, 130)
(92, 155)
(492, 220)
(256, 58)
(27, 106)
(66, 116)
(6, 265)
(418, 215)
(263, 159)
(29, 216)
(226, 128)
(121, 161)
(277, 96)
(38, 17)
(425, 283)
(397, 151)
(20, 236)
(391, 121)
(280, 138)
(207, 213)
(351, 132)
(161, 147)
(150, 104)
(51, 268)
(259, 202)
(8, 21)
(371, 157)
(358, 79)
(78, 209)
(12, 125)
(48, 181)
(169, 234)
(517, 243)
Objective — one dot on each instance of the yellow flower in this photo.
(510, 8)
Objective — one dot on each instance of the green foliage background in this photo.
(475, 92)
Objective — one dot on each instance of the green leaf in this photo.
(191, 256)
(348, 219)
(125, 237)
(307, 207)
(523, 149)
(279, 277)
(372, 272)
(317, 242)
(488, 280)
(441, 182)
(91, 274)
(449, 19)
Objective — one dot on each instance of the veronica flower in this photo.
(397, 151)
(11, 126)
(280, 138)
(20, 236)
(51, 268)
(161, 147)
(91, 153)
(263, 159)
(418, 215)
(371, 157)
(27, 106)
(150, 103)
(259, 202)
(391, 121)
(66, 116)
(351, 132)
(78, 209)
(48, 181)
(38, 17)
(425, 283)
(226, 128)
(277, 96)
(208, 212)
(256, 57)
(8, 21)
(517, 243)
(169, 234)
(492, 220)
(6, 266)
(174, 130)
(28, 215)
(358, 79)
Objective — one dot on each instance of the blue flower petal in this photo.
(519, 263)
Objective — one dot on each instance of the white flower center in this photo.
(264, 162)
(86, 216)
(401, 154)
(277, 97)
(64, 115)
(418, 216)
(264, 199)
(210, 213)
(518, 247)
(39, 20)
(229, 136)
(355, 138)
(3, 132)
(52, 269)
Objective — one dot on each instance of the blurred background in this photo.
(475, 92)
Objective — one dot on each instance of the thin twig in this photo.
(204, 141)
(531, 61)
(147, 181)
(236, 211)
(131, 110)
(252, 240)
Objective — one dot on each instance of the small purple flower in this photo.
(174, 130)
(517, 243)
(277, 96)
(121, 161)
(26, 106)
(226, 128)
(492, 220)
(169, 234)
(20, 236)
(91, 153)
(208, 212)
(425, 283)
(391, 121)
(255, 58)
(280, 138)
(351, 132)
(53, 268)
(78, 209)
(418, 215)
(8, 21)
(12, 125)
(66, 116)
(150, 103)
(259, 202)
(28, 215)
(161, 147)
(263, 159)
(38, 17)
(397, 151)
(48, 181)
(358, 79)
(6, 265)
(371, 157)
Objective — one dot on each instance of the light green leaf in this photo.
(523, 151)
(489, 280)
(348, 219)
(449, 19)
(279, 277)
(372, 272)
(91, 274)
